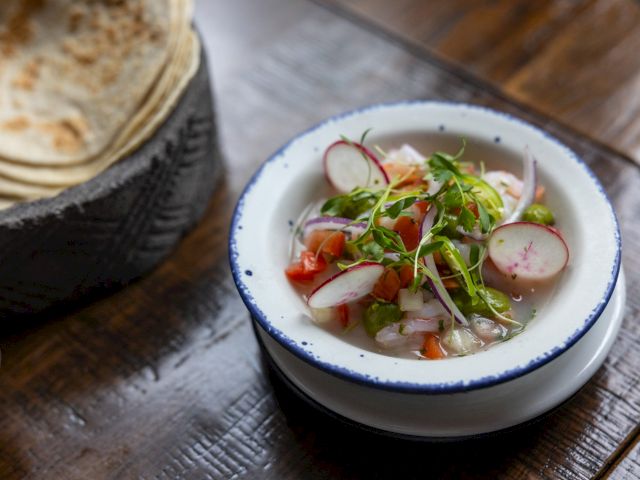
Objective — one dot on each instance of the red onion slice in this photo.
(438, 288)
(529, 180)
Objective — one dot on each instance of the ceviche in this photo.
(424, 256)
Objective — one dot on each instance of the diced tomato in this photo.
(305, 269)
(296, 273)
(474, 209)
(468, 168)
(315, 239)
(312, 263)
(409, 231)
(408, 173)
(431, 347)
(422, 206)
(327, 241)
(387, 286)
(471, 206)
(343, 314)
(334, 245)
(443, 269)
(418, 210)
(450, 283)
(406, 276)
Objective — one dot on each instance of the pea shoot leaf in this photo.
(388, 239)
(443, 166)
(372, 251)
(334, 206)
(350, 205)
(452, 198)
(394, 210)
(416, 282)
(429, 248)
(466, 219)
(474, 253)
(485, 218)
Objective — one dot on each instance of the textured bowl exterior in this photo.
(120, 224)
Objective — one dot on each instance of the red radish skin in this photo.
(351, 165)
(346, 286)
(528, 251)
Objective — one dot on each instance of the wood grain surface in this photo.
(164, 380)
(575, 61)
(628, 465)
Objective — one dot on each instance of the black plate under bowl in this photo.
(113, 228)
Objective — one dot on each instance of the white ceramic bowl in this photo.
(461, 414)
(293, 177)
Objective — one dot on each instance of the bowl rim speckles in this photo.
(282, 315)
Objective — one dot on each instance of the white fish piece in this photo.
(406, 333)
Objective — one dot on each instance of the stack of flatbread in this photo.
(83, 84)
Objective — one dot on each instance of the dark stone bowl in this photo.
(118, 225)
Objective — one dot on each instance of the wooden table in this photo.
(164, 380)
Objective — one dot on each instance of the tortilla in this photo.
(73, 73)
(30, 179)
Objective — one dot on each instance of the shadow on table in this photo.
(13, 462)
(339, 448)
(22, 322)
(125, 330)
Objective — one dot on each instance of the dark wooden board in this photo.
(492, 39)
(164, 379)
(628, 465)
(575, 61)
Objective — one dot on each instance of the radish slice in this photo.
(334, 223)
(528, 251)
(324, 315)
(346, 286)
(529, 181)
(348, 166)
(437, 287)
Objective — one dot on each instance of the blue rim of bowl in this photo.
(411, 387)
